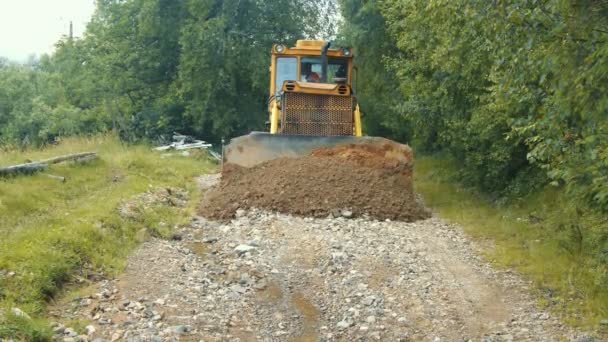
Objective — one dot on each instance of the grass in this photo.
(51, 231)
(538, 235)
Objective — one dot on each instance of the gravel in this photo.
(274, 277)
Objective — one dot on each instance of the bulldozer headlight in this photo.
(345, 52)
(280, 48)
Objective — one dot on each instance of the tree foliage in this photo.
(146, 68)
(512, 89)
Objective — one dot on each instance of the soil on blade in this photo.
(354, 179)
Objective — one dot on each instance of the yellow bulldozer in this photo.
(312, 104)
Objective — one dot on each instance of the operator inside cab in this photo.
(308, 75)
(310, 70)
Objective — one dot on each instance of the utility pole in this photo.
(71, 30)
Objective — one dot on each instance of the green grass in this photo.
(52, 231)
(534, 235)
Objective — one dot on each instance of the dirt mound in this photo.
(354, 179)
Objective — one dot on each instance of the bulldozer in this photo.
(312, 104)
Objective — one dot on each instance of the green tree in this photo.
(377, 89)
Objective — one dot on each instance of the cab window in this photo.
(310, 70)
(287, 70)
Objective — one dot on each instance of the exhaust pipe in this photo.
(324, 62)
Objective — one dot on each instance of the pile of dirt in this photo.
(347, 180)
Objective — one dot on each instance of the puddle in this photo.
(307, 310)
(198, 248)
(310, 318)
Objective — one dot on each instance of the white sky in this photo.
(33, 26)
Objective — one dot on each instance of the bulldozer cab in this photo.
(310, 91)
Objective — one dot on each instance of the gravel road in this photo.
(273, 277)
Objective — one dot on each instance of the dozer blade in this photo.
(258, 147)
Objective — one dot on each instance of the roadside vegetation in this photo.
(540, 235)
(54, 233)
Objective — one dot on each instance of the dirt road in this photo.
(272, 277)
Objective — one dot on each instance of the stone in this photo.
(260, 285)
(346, 213)
(90, 329)
(58, 329)
(210, 240)
(253, 243)
(585, 338)
(345, 324)
(19, 313)
(369, 300)
(242, 249)
(70, 332)
(85, 302)
(104, 321)
(245, 279)
(280, 333)
(148, 313)
(238, 289)
(181, 329)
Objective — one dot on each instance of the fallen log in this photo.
(26, 169)
(75, 156)
(37, 166)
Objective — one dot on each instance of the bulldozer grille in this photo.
(309, 114)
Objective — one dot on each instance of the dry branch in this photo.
(59, 178)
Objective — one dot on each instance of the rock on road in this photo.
(273, 277)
